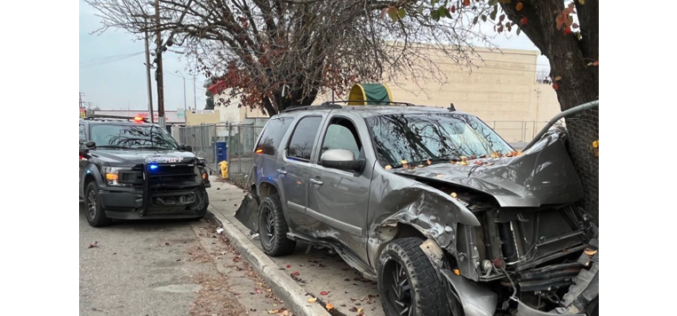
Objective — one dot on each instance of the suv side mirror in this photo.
(341, 159)
(90, 144)
(186, 148)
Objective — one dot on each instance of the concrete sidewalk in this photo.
(319, 271)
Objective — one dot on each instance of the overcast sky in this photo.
(122, 84)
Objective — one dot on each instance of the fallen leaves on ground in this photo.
(312, 300)
(329, 306)
(214, 298)
(94, 245)
(324, 293)
(198, 254)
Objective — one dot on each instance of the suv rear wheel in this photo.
(407, 281)
(96, 216)
(273, 228)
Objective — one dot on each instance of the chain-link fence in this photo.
(239, 140)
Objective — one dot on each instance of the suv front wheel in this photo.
(96, 216)
(273, 228)
(407, 281)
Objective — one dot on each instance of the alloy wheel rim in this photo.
(91, 204)
(268, 234)
(398, 288)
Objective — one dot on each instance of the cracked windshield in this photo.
(439, 137)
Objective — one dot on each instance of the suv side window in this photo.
(83, 136)
(342, 134)
(272, 135)
(301, 143)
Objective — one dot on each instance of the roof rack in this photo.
(323, 106)
(113, 117)
(389, 102)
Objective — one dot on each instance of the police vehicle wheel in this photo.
(96, 216)
(204, 205)
(273, 228)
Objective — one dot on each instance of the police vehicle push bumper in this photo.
(159, 188)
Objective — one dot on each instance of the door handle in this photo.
(315, 181)
(280, 171)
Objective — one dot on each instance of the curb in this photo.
(293, 295)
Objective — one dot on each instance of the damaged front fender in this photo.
(434, 214)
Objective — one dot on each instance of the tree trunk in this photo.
(296, 98)
(569, 58)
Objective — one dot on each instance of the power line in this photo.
(108, 61)
(106, 58)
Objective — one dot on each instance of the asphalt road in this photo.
(134, 272)
(153, 268)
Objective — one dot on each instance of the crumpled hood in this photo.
(544, 174)
(138, 156)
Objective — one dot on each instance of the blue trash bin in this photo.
(220, 151)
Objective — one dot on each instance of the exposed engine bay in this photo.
(533, 259)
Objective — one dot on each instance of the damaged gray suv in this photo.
(432, 204)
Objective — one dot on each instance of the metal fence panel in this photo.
(240, 141)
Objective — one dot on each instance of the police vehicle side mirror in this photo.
(90, 144)
(186, 148)
(84, 152)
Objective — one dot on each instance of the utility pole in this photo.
(150, 89)
(158, 71)
(82, 94)
(194, 95)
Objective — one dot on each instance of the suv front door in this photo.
(338, 199)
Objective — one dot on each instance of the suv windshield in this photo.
(435, 136)
(132, 136)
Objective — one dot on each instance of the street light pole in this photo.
(194, 95)
(184, 88)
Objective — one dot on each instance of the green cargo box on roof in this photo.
(370, 94)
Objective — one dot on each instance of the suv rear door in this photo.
(338, 199)
(293, 170)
